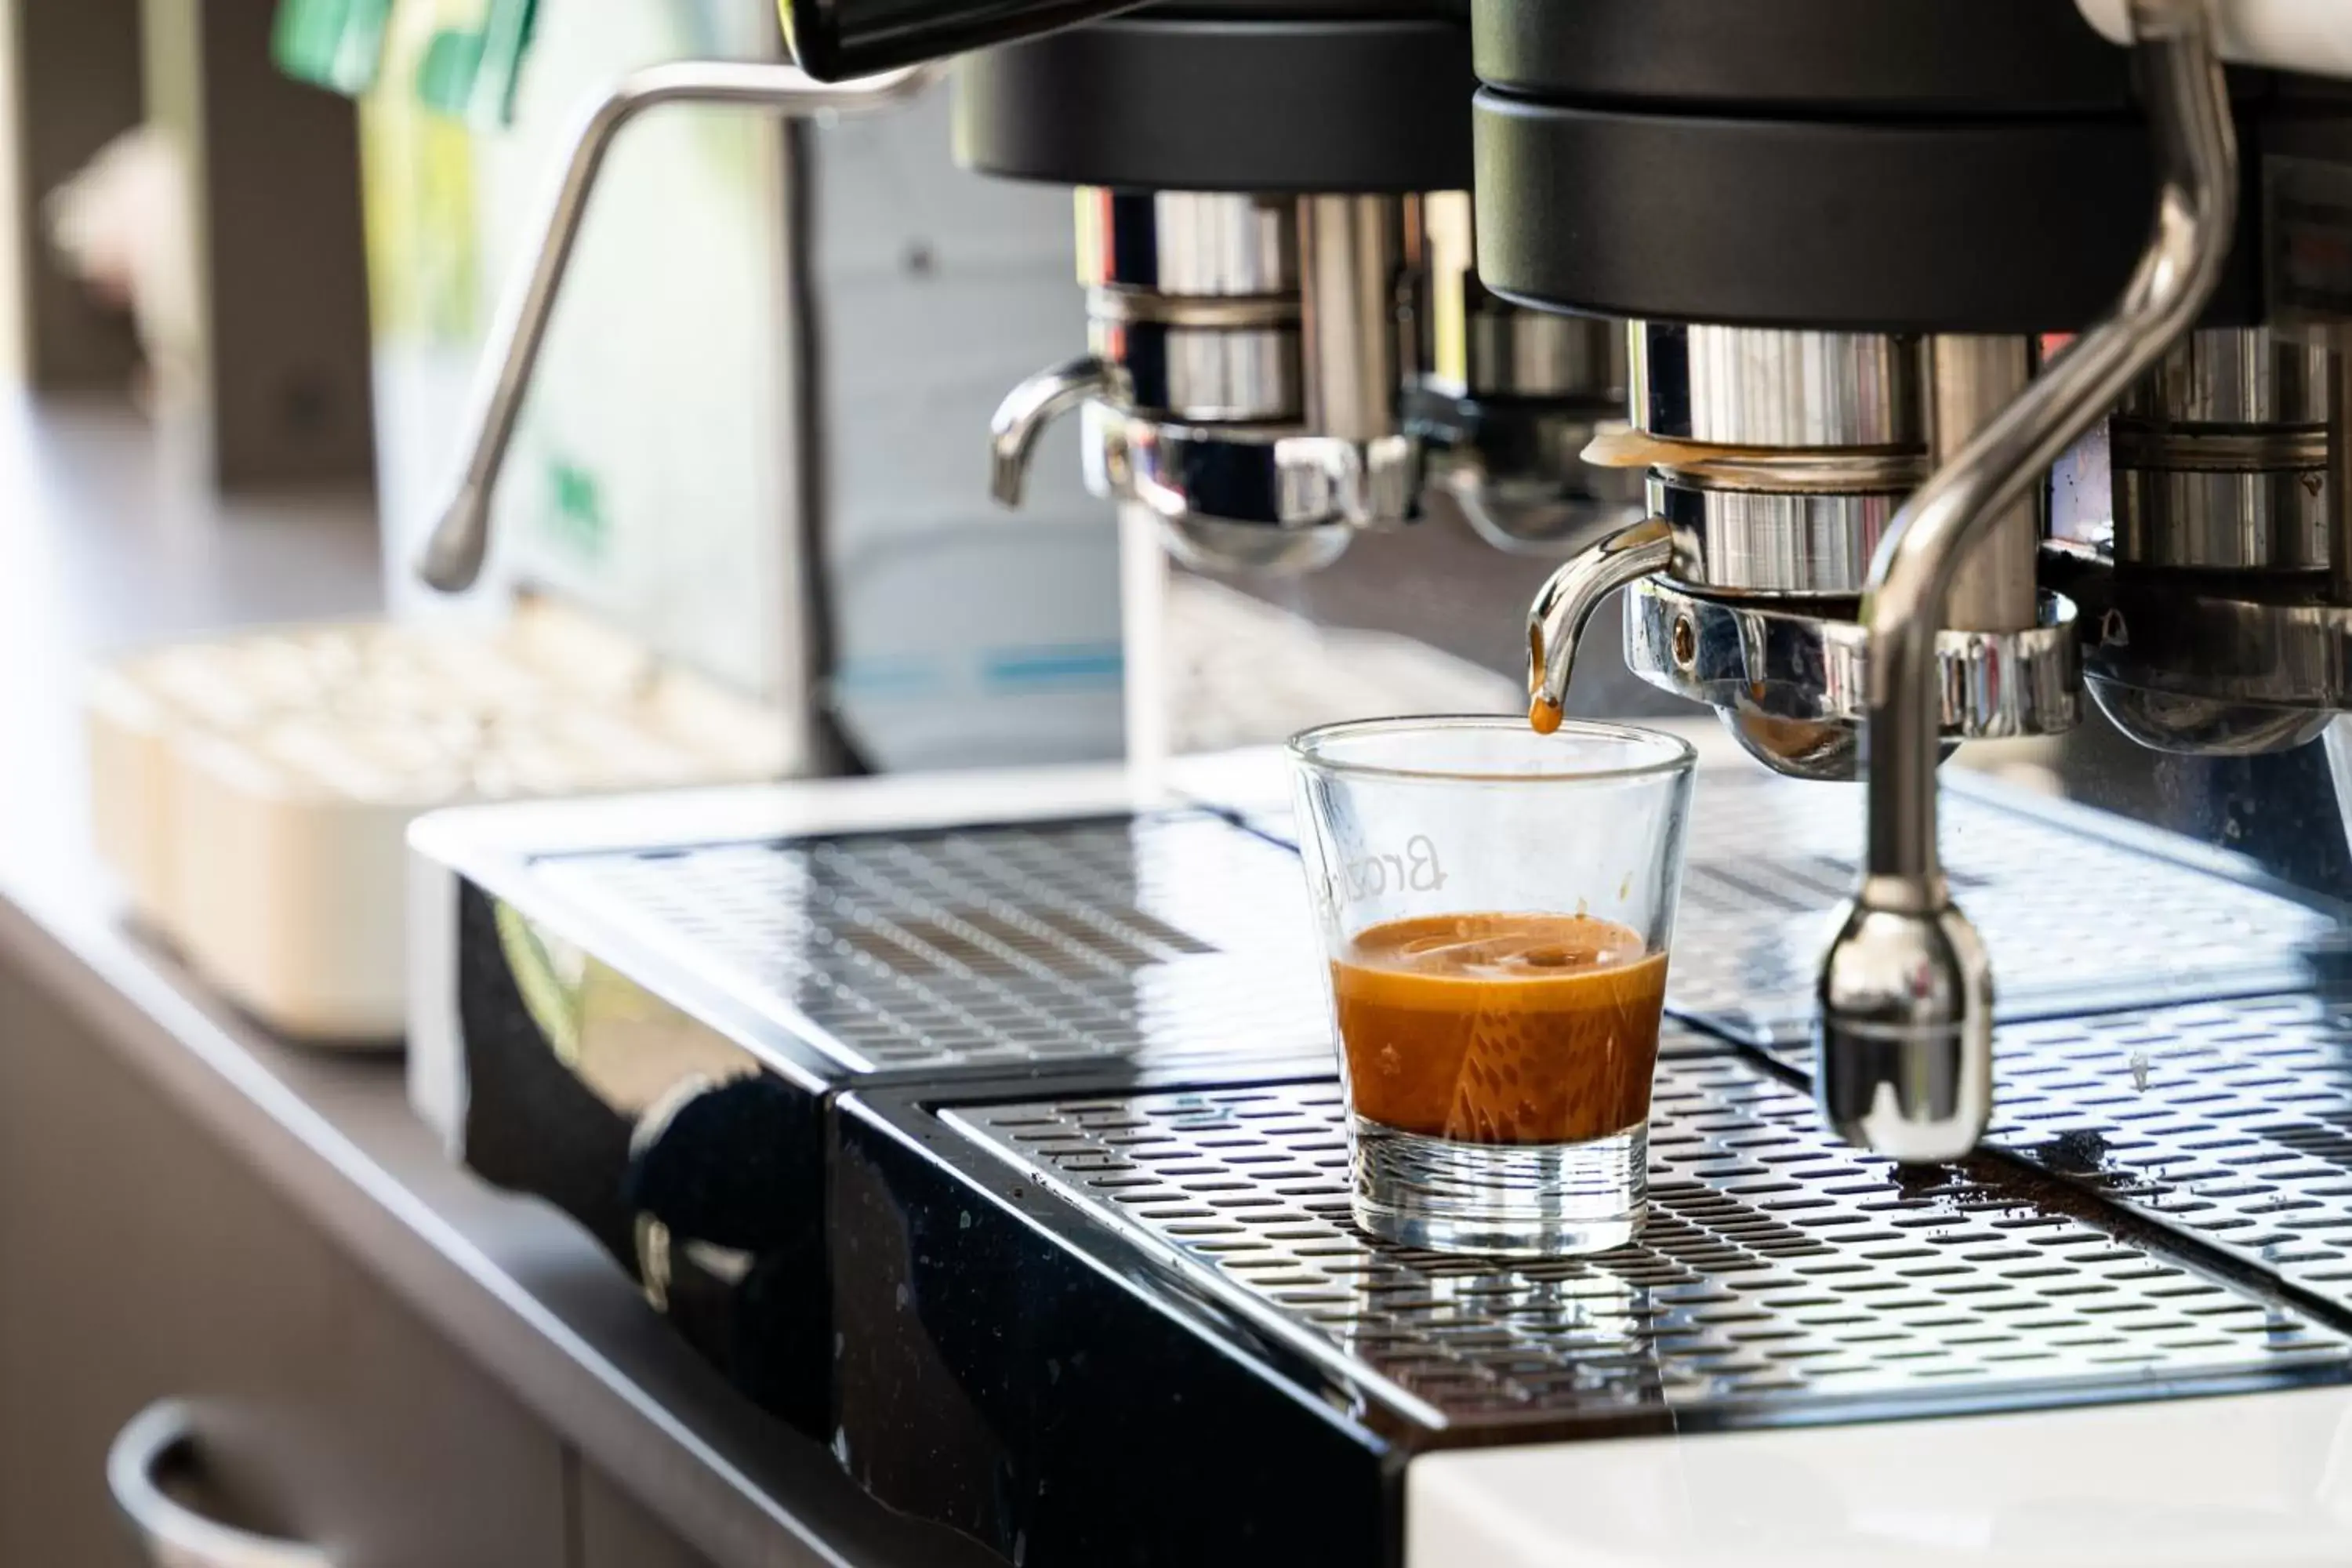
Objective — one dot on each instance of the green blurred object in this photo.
(335, 43)
(469, 71)
(472, 73)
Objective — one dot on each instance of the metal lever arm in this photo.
(453, 556)
(1905, 1049)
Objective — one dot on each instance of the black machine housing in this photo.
(1868, 165)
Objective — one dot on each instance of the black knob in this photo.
(834, 40)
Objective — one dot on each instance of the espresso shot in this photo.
(1497, 906)
(1500, 1028)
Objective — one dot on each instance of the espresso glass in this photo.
(1496, 907)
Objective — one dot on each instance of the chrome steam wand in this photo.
(452, 558)
(1904, 1053)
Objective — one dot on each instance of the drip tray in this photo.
(1772, 860)
(1780, 1276)
(1171, 939)
(2228, 1123)
(1182, 939)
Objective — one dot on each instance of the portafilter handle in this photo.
(834, 40)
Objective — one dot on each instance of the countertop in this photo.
(107, 541)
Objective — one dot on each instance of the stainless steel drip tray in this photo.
(1781, 1277)
(2229, 1123)
(1772, 860)
(2047, 885)
(1161, 938)
(939, 943)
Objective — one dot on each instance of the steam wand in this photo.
(1904, 1053)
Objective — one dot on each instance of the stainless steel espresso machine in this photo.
(1980, 356)
(1289, 339)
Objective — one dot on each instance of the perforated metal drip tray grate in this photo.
(1180, 938)
(1780, 1276)
(1771, 860)
(2231, 1123)
(1171, 939)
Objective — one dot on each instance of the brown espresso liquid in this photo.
(1500, 1028)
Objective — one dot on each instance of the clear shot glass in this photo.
(1497, 907)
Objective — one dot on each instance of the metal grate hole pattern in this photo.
(1771, 860)
(1776, 1270)
(992, 944)
(2229, 1121)
(1173, 937)
(1180, 936)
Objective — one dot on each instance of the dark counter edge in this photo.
(515, 1285)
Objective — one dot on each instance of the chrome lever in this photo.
(452, 558)
(1564, 605)
(1027, 409)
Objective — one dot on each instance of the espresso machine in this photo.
(1981, 370)
(1268, 374)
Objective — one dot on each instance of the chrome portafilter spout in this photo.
(453, 556)
(1249, 355)
(1565, 603)
(1025, 412)
(1768, 460)
(1905, 1052)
